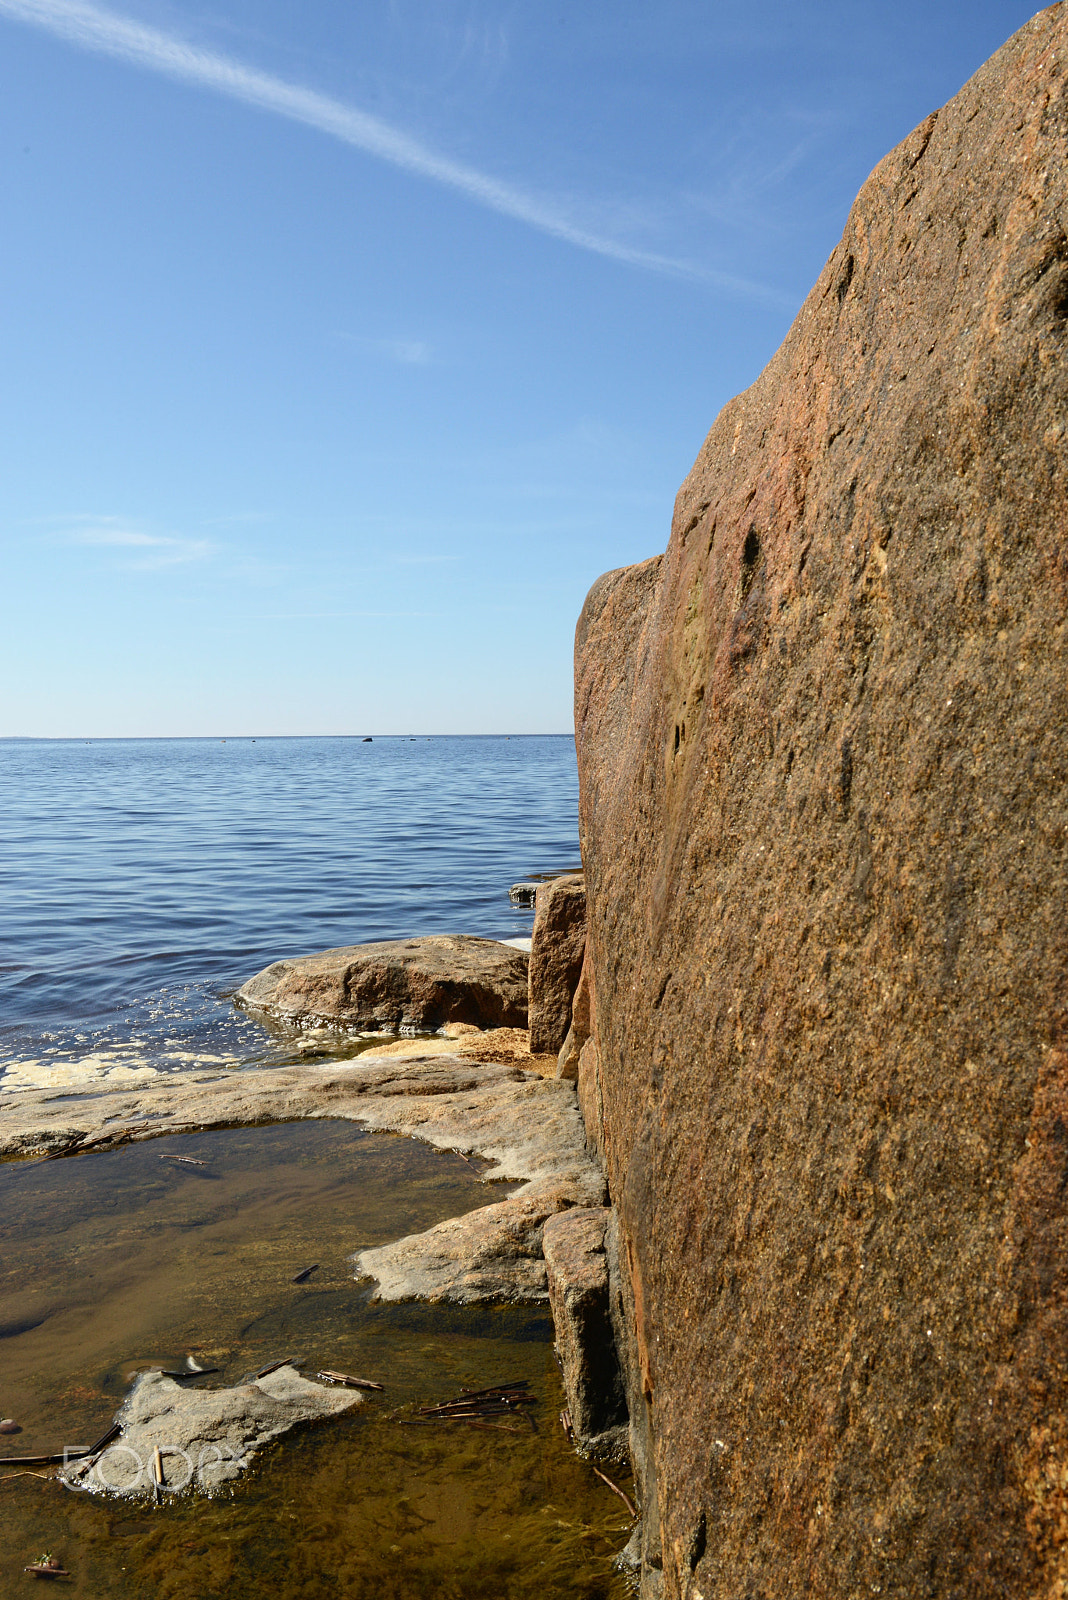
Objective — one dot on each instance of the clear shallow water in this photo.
(115, 1263)
(142, 881)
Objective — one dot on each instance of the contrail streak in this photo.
(107, 33)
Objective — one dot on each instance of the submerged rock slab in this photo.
(823, 751)
(396, 984)
(205, 1437)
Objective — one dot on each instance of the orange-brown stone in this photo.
(823, 749)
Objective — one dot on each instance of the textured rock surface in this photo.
(205, 1436)
(496, 1044)
(494, 1253)
(577, 1275)
(824, 800)
(557, 945)
(570, 1053)
(397, 983)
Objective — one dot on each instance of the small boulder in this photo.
(397, 984)
(559, 942)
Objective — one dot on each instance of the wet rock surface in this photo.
(205, 1437)
(823, 804)
(556, 951)
(396, 984)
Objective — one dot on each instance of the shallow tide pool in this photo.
(115, 1263)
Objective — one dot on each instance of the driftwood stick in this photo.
(352, 1383)
(305, 1272)
(626, 1499)
(105, 1439)
(273, 1366)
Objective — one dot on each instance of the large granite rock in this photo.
(397, 984)
(557, 946)
(823, 753)
(578, 1281)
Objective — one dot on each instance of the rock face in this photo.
(557, 946)
(823, 751)
(205, 1436)
(577, 1274)
(395, 984)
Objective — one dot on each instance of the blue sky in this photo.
(344, 345)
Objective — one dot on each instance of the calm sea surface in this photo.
(142, 881)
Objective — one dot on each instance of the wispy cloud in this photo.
(409, 352)
(93, 28)
(149, 550)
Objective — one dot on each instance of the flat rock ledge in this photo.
(527, 1126)
(396, 984)
(205, 1437)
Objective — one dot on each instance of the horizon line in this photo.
(222, 738)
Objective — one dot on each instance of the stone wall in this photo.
(823, 748)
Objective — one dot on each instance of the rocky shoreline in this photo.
(472, 1090)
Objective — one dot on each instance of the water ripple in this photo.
(144, 880)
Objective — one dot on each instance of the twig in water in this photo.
(187, 1161)
(273, 1366)
(351, 1383)
(305, 1272)
(626, 1499)
(105, 1439)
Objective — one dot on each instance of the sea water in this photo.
(144, 880)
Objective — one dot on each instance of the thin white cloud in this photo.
(409, 352)
(93, 28)
(153, 549)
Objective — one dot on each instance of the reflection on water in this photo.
(113, 1263)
